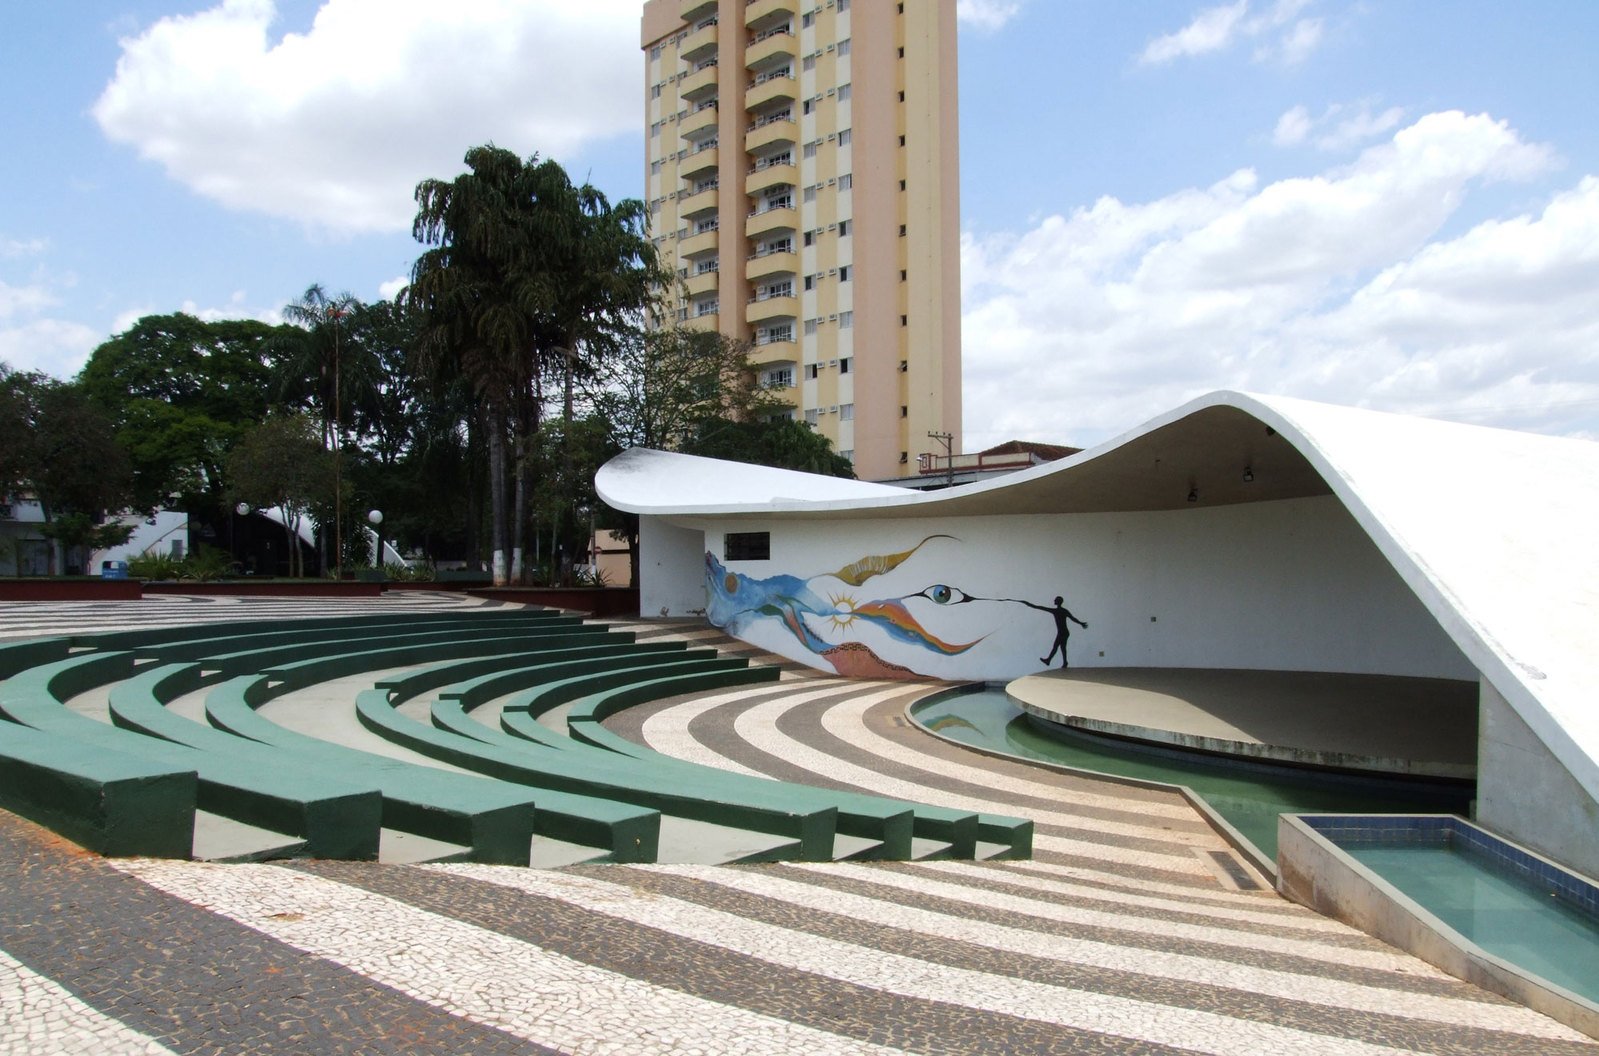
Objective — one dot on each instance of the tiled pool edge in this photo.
(1315, 872)
(1256, 859)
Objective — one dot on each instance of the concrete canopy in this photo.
(1494, 530)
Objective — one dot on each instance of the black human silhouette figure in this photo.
(1062, 631)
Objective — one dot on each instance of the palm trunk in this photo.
(497, 495)
(519, 504)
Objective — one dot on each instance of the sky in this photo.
(1385, 204)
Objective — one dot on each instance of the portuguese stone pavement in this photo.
(1121, 935)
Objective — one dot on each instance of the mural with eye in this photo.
(832, 620)
(943, 594)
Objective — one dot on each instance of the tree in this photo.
(780, 442)
(68, 457)
(180, 392)
(282, 463)
(695, 391)
(527, 275)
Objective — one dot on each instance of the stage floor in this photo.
(1379, 723)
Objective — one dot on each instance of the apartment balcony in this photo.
(768, 89)
(761, 265)
(694, 245)
(699, 164)
(696, 10)
(705, 282)
(769, 131)
(698, 85)
(759, 13)
(766, 309)
(698, 125)
(693, 204)
(772, 48)
(763, 176)
(775, 352)
(763, 221)
(708, 321)
(700, 44)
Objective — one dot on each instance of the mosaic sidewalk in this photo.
(1118, 937)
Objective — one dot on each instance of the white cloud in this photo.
(1211, 30)
(1332, 286)
(1292, 127)
(387, 290)
(335, 126)
(1294, 46)
(55, 346)
(22, 247)
(23, 300)
(1341, 125)
(1283, 37)
(987, 15)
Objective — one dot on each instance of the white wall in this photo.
(1289, 585)
(671, 568)
(1525, 793)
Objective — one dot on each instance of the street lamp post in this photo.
(375, 518)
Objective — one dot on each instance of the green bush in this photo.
(207, 563)
(155, 566)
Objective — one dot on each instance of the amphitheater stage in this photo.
(1422, 727)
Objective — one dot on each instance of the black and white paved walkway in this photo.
(1119, 937)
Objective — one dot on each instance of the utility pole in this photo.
(949, 455)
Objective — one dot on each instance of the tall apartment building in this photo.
(803, 180)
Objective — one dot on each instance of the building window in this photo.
(807, 20)
(844, 138)
(808, 63)
(843, 93)
(904, 411)
(902, 141)
(843, 273)
(902, 55)
(843, 6)
(846, 412)
(904, 320)
(902, 230)
(843, 229)
(655, 91)
(843, 47)
(809, 195)
(846, 320)
(903, 274)
(809, 150)
(808, 238)
(812, 416)
(902, 97)
(655, 167)
(747, 546)
(845, 364)
(903, 458)
(810, 330)
(848, 455)
(811, 369)
(846, 181)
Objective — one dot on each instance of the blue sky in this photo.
(1393, 205)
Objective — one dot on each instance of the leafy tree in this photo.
(662, 385)
(68, 458)
(527, 278)
(695, 391)
(282, 463)
(778, 442)
(180, 392)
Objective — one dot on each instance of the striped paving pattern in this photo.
(1118, 937)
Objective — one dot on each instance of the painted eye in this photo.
(939, 594)
(730, 584)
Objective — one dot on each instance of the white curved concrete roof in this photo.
(1496, 531)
